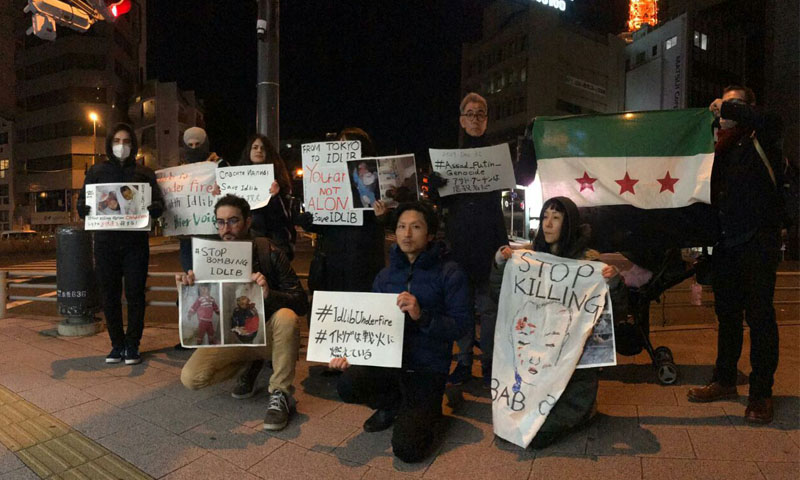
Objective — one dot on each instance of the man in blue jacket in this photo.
(434, 294)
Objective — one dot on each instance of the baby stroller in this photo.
(632, 332)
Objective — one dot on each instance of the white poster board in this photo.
(215, 314)
(118, 206)
(188, 199)
(547, 309)
(474, 170)
(390, 179)
(221, 261)
(366, 328)
(326, 187)
(251, 182)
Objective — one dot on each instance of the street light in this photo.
(93, 117)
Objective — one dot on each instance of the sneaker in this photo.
(461, 374)
(132, 356)
(115, 356)
(246, 384)
(380, 420)
(278, 411)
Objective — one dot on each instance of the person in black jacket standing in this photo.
(475, 229)
(743, 185)
(119, 254)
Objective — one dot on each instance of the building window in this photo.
(51, 201)
(697, 39)
(3, 138)
(655, 50)
(671, 43)
(703, 41)
(4, 166)
(4, 194)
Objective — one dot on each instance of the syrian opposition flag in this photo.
(642, 175)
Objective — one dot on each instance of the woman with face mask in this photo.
(120, 254)
(275, 220)
(561, 233)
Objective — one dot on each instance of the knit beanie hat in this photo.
(196, 134)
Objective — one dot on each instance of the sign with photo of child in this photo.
(390, 179)
(118, 206)
(216, 314)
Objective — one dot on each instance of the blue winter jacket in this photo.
(442, 291)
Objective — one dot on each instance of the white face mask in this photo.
(369, 178)
(121, 151)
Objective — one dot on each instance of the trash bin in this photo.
(76, 285)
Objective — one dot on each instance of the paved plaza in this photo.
(65, 414)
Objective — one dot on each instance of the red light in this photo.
(120, 7)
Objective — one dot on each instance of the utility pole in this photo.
(268, 81)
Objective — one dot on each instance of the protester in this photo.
(275, 220)
(284, 301)
(561, 234)
(347, 258)
(434, 294)
(747, 169)
(120, 254)
(475, 229)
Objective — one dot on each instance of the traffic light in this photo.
(118, 8)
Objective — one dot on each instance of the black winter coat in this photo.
(442, 291)
(474, 226)
(285, 290)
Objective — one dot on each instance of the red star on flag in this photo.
(586, 181)
(667, 183)
(626, 184)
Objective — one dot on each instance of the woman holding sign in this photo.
(275, 221)
(120, 254)
(560, 233)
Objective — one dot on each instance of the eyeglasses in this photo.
(480, 116)
(231, 222)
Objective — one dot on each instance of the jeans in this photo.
(115, 261)
(744, 286)
(208, 366)
(416, 395)
(486, 313)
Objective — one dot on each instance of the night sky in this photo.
(389, 67)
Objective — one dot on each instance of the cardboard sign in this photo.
(220, 261)
(251, 182)
(390, 179)
(214, 314)
(326, 186)
(366, 328)
(547, 309)
(474, 170)
(118, 206)
(188, 201)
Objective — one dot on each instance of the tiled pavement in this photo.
(65, 414)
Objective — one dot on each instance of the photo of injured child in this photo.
(397, 177)
(107, 202)
(199, 315)
(242, 314)
(364, 182)
(599, 350)
(117, 200)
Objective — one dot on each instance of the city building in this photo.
(6, 174)
(532, 61)
(68, 93)
(160, 113)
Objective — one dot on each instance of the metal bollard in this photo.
(3, 293)
(76, 285)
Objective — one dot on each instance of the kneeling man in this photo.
(434, 294)
(284, 301)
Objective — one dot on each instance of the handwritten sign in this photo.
(188, 199)
(548, 307)
(474, 170)
(118, 206)
(214, 314)
(326, 185)
(221, 261)
(366, 328)
(250, 182)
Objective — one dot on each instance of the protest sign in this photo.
(547, 309)
(215, 314)
(118, 206)
(251, 182)
(188, 199)
(366, 328)
(390, 179)
(215, 260)
(326, 187)
(474, 170)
